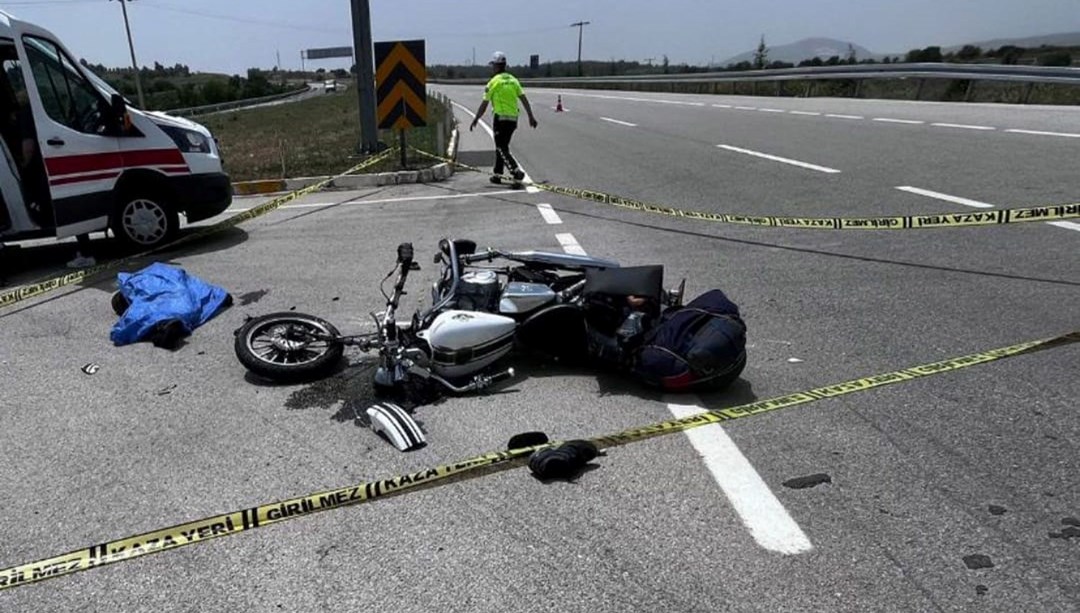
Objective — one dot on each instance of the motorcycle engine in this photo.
(479, 291)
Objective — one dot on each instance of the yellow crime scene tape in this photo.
(192, 532)
(38, 288)
(907, 222)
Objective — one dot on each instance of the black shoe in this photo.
(519, 174)
(496, 179)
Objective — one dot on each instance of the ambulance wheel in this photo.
(145, 220)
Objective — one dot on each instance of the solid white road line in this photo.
(913, 122)
(780, 159)
(570, 244)
(483, 124)
(621, 123)
(549, 214)
(1068, 225)
(961, 126)
(530, 189)
(807, 113)
(1042, 133)
(945, 197)
(759, 509)
(838, 116)
(315, 205)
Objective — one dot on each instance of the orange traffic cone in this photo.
(558, 107)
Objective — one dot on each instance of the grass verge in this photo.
(313, 137)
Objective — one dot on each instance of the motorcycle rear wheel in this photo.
(287, 347)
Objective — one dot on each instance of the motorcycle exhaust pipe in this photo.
(478, 383)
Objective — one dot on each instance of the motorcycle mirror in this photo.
(438, 258)
(405, 252)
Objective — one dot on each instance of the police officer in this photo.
(503, 92)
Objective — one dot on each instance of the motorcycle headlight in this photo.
(189, 141)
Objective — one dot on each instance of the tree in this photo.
(1056, 58)
(761, 56)
(887, 60)
(851, 57)
(929, 54)
(968, 53)
(666, 64)
(215, 91)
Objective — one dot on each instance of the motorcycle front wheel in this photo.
(289, 347)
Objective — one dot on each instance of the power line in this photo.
(41, 2)
(246, 20)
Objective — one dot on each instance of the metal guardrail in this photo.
(858, 73)
(234, 104)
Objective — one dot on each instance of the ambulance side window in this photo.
(68, 98)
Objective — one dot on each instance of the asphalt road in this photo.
(924, 477)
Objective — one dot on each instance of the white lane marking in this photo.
(528, 180)
(1068, 225)
(721, 106)
(961, 126)
(772, 110)
(570, 244)
(759, 509)
(807, 113)
(1043, 133)
(315, 205)
(483, 124)
(945, 197)
(658, 100)
(621, 123)
(746, 108)
(913, 122)
(780, 159)
(549, 214)
(839, 116)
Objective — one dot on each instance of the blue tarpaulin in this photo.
(161, 294)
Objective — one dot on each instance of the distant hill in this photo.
(805, 49)
(1064, 39)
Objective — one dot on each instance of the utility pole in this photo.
(365, 75)
(131, 46)
(580, 28)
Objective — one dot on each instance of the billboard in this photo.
(327, 52)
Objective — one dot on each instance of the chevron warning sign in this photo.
(401, 79)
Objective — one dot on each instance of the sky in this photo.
(233, 35)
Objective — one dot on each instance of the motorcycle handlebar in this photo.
(485, 256)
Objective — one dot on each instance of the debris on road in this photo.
(563, 462)
(91, 368)
(801, 483)
(977, 560)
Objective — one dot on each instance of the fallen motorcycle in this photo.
(574, 308)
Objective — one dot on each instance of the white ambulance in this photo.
(79, 158)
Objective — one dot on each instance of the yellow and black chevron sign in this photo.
(401, 78)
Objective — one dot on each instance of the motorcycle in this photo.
(478, 314)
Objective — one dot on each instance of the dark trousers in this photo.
(504, 131)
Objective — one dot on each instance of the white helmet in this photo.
(498, 58)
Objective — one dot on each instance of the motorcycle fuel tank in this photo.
(521, 298)
(465, 342)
